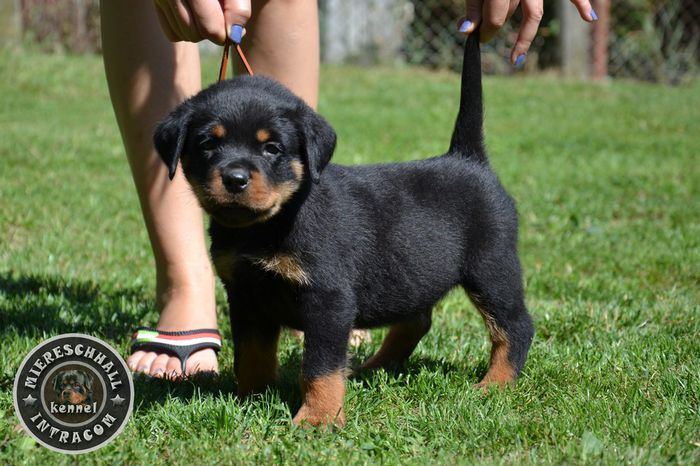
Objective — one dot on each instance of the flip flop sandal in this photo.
(181, 344)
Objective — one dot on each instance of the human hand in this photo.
(492, 15)
(195, 20)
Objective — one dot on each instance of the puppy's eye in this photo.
(209, 144)
(273, 148)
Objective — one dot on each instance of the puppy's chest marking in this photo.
(284, 265)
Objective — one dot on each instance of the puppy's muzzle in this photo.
(236, 180)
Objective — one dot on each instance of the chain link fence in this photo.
(646, 39)
(654, 40)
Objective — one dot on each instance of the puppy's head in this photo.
(74, 387)
(246, 146)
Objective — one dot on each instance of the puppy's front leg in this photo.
(255, 357)
(323, 372)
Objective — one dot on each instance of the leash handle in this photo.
(224, 59)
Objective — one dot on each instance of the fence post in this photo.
(601, 30)
(82, 43)
(10, 21)
(574, 42)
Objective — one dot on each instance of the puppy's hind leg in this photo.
(497, 293)
(400, 342)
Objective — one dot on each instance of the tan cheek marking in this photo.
(297, 169)
(218, 131)
(262, 135)
(256, 366)
(225, 264)
(501, 371)
(280, 194)
(259, 195)
(285, 190)
(76, 398)
(287, 266)
(217, 190)
(323, 400)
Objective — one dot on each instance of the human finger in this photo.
(532, 16)
(236, 15)
(494, 16)
(166, 24)
(184, 17)
(208, 16)
(468, 23)
(172, 12)
(585, 10)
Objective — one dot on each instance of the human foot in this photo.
(182, 310)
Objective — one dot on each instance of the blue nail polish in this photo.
(520, 61)
(465, 26)
(236, 33)
(593, 15)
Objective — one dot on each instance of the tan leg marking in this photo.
(501, 372)
(396, 347)
(323, 401)
(256, 367)
(286, 266)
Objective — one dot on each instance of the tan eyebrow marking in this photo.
(262, 135)
(218, 131)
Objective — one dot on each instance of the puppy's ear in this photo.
(318, 141)
(170, 135)
(57, 382)
(87, 381)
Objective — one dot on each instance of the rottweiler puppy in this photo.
(73, 387)
(325, 248)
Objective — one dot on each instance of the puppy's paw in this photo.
(309, 417)
(487, 384)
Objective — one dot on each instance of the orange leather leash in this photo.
(224, 59)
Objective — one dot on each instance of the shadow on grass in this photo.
(152, 393)
(34, 305)
(413, 367)
(38, 305)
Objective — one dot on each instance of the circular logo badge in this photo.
(73, 393)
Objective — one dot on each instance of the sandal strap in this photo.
(179, 338)
(180, 343)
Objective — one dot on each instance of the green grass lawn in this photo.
(607, 180)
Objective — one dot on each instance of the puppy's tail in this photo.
(468, 135)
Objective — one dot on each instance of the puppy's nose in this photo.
(236, 180)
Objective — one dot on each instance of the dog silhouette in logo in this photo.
(73, 387)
